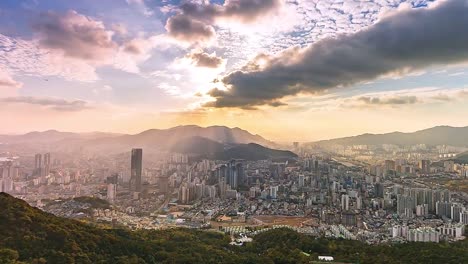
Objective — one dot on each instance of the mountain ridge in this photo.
(438, 135)
(152, 140)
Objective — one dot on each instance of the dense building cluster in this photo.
(323, 192)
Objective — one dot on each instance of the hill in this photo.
(29, 235)
(461, 158)
(197, 146)
(33, 236)
(206, 148)
(253, 152)
(440, 135)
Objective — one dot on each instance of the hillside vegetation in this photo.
(28, 235)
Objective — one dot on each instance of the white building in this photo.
(111, 192)
(454, 231)
(423, 234)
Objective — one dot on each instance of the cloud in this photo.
(74, 34)
(203, 59)
(141, 6)
(48, 102)
(26, 58)
(398, 100)
(107, 88)
(395, 98)
(134, 52)
(405, 41)
(246, 11)
(72, 46)
(7, 81)
(194, 21)
(119, 29)
(184, 28)
(135, 46)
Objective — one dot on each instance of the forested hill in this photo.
(28, 235)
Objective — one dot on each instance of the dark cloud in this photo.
(194, 21)
(405, 41)
(185, 28)
(76, 35)
(203, 59)
(52, 103)
(396, 100)
(245, 11)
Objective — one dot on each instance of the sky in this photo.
(289, 70)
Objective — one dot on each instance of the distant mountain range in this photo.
(440, 135)
(217, 142)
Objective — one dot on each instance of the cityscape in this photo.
(372, 193)
(233, 131)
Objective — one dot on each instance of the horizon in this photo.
(289, 71)
(255, 134)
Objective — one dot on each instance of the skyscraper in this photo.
(47, 163)
(38, 161)
(136, 168)
(38, 164)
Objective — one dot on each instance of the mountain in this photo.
(221, 134)
(197, 146)
(440, 135)
(51, 136)
(150, 140)
(29, 235)
(253, 151)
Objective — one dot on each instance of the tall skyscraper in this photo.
(37, 164)
(38, 161)
(235, 173)
(136, 169)
(47, 163)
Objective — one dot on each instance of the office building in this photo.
(136, 170)
(47, 164)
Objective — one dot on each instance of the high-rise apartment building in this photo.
(424, 166)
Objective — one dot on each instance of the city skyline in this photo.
(268, 67)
